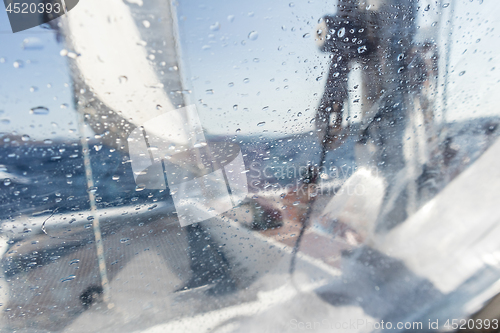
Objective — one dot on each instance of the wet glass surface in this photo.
(240, 167)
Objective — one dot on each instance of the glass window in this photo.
(231, 166)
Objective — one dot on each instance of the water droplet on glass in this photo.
(32, 43)
(253, 35)
(146, 23)
(238, 130)
(209, 91)
(69, 278)
(262, 123)
(140, 187)
(25, 137)
(39, 110)
(306, 35)
(230, 18)
(33, 89)
(461, 73)
(97, 147)
(116, 177)
(291, 4)
(235, 107)
(445, 5)
(18, 64)
(124, 240)
(246, 80)
(341, 32)
(215, 26)
(5, 121)
(74, 261)
(230, 84)
(7, 181)
(122, 79)
(159, 107)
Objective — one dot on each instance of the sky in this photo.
(255, 61)
(31, 76)
(252, 68)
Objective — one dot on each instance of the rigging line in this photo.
(93, 208)
(64, 6)
(307, 216)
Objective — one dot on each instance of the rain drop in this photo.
(215, 26)
(39, 110)
(69, 278)
(146, 23)
(253, 35)
(461, 73)
(262, 123)
(362, 49)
